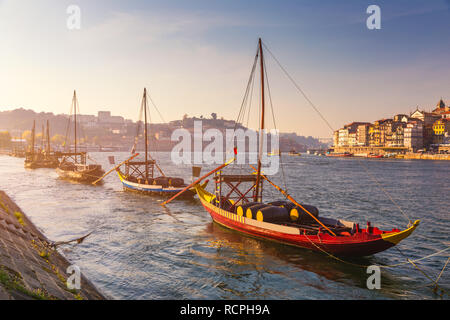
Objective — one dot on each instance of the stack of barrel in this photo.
(278, 212)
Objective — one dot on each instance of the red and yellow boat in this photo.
(350, 239)
(237, 204)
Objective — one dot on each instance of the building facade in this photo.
(413, 135)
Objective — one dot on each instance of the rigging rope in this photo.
(252, 73)
(331, 128)
(275, 126)
(68, 127)
(246, 104)
(154, 105)
(298, 87)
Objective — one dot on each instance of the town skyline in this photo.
(86, 117)
(417, 131)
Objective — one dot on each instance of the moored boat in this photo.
(237, 204)
(274, 153)
(349, 238)
(43, 158)
(294, 153)
(339, 155)
(139, 176)
(74, 165)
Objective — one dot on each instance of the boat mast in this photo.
(258, 175)
(144, 101)
(33, 134)
(43, 138)
(48, 138)
(74, 102)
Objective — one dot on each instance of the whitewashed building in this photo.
(413, 135)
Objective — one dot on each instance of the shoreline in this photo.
(30, 268)
(391, 153)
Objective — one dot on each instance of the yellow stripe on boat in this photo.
(396, 237)
(120, 176)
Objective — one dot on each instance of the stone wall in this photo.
(29, 267)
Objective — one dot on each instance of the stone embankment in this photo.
(397, 153)
(30, 267)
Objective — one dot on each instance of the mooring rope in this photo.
(381, 266)
(385, 192)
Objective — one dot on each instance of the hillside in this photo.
(119, 133)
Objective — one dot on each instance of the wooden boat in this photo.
(18, 153)
(375, 156)
(139, 176)
(237, 203)
(349, 238)
(274, 153)
(339, 155)
(44, 158)
(74, 165)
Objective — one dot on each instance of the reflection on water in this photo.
(140, 250)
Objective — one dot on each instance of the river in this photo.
(140, 250)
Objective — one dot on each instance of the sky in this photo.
(195, 58)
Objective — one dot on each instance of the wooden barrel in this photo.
(176, 182)
(162, 181)
(240, 210)
(297, 214)
(251, 211)
(283, 203)
(273, 214)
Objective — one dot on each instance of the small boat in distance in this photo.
(74, 165)
(139, 176)
(339, 155)
(375, 156)
(294, 153)
(44, 158)
(274, 153)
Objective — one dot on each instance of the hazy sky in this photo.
(195, 57)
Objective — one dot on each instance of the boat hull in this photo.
(360, 244)
(339, 155)
(85, 176)
(154, 190)
(41, 165)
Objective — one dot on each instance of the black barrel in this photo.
(162, 181)
(283, 203)
(176, 182)
(299, 215)
(240, 210)
(251, 211)
(273, 214)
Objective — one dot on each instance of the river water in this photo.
(140, 250)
